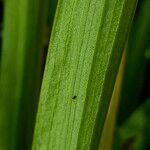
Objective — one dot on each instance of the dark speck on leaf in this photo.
(74, 97)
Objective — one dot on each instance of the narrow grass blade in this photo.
(136, 62)
(107, 138)
(52, 9)
(1, 23)
(84, 54)
(20, 71)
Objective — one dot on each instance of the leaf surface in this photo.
(83, 59)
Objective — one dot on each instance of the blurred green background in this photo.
(133, 122)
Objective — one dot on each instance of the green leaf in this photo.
(106, 141)
(147, 54)
(24, 22)
(52, 9)
(133, 81)
(1, 24)
(135, 131)
(84, 54)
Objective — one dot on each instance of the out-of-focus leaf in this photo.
(139, 42)
(52, 8)
(20, 71)
(134, 133)
(106, 141)
(147, 53)
(1, 22)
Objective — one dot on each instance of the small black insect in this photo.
(74, 97)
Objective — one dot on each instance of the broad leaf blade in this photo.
(82, 63)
